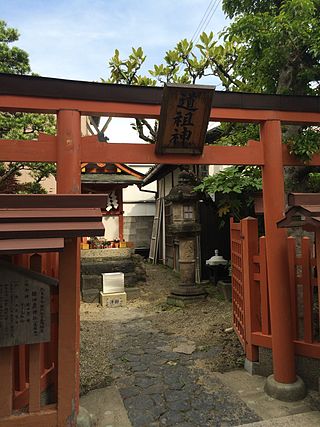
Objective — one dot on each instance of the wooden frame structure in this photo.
(71, 99)
(45, 223)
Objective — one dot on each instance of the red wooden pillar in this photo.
(69, 181)
(276, 251)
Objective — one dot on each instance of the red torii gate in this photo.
(71, 99)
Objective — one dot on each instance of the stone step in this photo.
(95, 266)
(106, 408)
(307, 419)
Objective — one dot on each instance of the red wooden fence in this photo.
(237, 281)
(251, 312)
(28, 360)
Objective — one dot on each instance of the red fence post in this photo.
(6, 375)
(318, 266)
(264, 291)
(307, 290)
(293, 286)
(249, 232)
(69, 181)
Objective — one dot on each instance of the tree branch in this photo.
(11, 171)
(224, 72)
(140, 123)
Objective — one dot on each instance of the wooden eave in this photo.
(130, 171)
(44, 201)
(17, 246)
(125, 170)
(157, 172)
(304, 199)
(109, 179)
(40, 222)
(301, 216)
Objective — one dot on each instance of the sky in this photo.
(74, 39)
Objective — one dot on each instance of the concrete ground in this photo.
(159, 380)
(152, 365)
(108, 410)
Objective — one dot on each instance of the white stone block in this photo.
(112, 282)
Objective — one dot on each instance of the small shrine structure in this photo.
(109, 179)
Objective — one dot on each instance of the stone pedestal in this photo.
(187, 291)
(285, 392)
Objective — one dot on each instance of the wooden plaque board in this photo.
(184, 118)
(24, 308)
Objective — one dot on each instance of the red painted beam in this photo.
(145, 153)
(87, 108)
(302, 348)
(117, 109)
(93, 151)
(256, 116)
(291, 160)
(27, 151)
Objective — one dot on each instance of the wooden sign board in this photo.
(184, 118)
(24, 309)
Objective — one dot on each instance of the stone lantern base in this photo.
(186, 295)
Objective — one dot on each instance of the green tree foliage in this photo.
(14, 60)
(235, 187)
(278, 51)
(270, 46)
(278, 45)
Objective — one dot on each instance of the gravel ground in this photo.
(205, 323)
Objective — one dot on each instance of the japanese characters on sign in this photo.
(24, 310)
(184, 118)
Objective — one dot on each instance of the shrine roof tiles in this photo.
(100, 178)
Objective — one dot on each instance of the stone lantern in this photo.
(185, 228)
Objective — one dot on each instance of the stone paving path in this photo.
(161, 386)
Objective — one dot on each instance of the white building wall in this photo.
(136, 202)
(216, 168)
(139, 211)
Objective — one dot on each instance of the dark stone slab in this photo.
(91, 281)
(95, 266)
(171, 418)
(179, 405)
(90, 295)
(137, 403)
